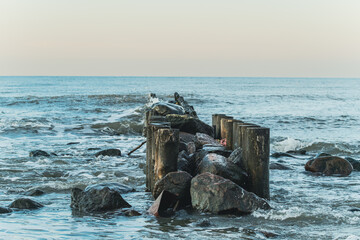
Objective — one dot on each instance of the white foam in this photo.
(288, 145)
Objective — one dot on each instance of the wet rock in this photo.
(109, 152)
(189, 147)
(236, 156)
(297, 152)
(93, 149)
(329, 165)
(354, 163)
(203, 223)
(39, 153)
(163, 108)
(177, 183)
(25, 203)
(187, 137)
(131, 213)
(5, 210)
(219, 165)
(52, 174)
(269, 234)
(99, 197)
(221, 150)
(179, 100)
(212, 193)
(321, 155)
(184, 162)
(281, 154)
(354, 210)
(34, 193)
(164, 205)
(204, 139)
(186, 123)
(72, 143)
(279, 166)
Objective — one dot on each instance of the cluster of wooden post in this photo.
(162, 148)
(255, 144)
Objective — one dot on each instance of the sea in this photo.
(74, 117)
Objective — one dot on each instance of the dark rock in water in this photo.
(164, 205)
(131, 213)
(354, 163)
(93, 149)
(52, 174)
(5, 210)
(279, 166)
(39, 153)
(25, 203)
(187, 108)
(109, 152)
(36, 192)
(297, 152)
(212, 193)
(163, 109)
(329, 165)
(219, 165)
(203, 223)
(221, 150)
(236, 156)
(269, 234)
(186, 123)
(177, 183)
(203, 139)
(72, 143)
(354, 210)
(99, 198)
(281, 154)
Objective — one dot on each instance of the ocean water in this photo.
(48, 113)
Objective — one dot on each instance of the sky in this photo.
(243, 38)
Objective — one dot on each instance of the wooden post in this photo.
(150, 145)
(236, 133)
(223, 129)
(233, 123)
(166, 153)
(216, 124)
(256, 160)
(242, 131)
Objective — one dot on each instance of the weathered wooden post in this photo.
(166, 152)
(256, 160)
(236, 133)
(231, 143)
(216, 124)
(225, 127)
(242, 131)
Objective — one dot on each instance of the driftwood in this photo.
(136, 148)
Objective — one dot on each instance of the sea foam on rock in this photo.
(99, 197)
(212, 193)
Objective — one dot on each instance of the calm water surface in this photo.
(320, 115)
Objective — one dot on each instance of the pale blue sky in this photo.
(285, 38)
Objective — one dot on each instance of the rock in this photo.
(36, 192)
(184, 162)
(5, 210)
(177, 183)
(109, 152)
(297, 152)
(221, 150)
(179, 100)
(219, 165)
(281, 154)
(131, 213)
(279, 166)
(329, 165)
(164, 205)
(203, 223)
(25, 203)
(186, 123)
(39, 153)
(236, 157)
(163, 109)
(73, 143)
(203, 139)
(99, 197)
(321, 155)
(354, 210)
(186, 137)
(212, 193)
(354, 163)
(189, 147)
(52, 174)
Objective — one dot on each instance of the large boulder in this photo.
(99, 197)
(177, 183)
(219, 165)
(189, 124)
(221, 150)
(354, 163)
(163, 108)
(109, 152)
(25, 203)
(184, 162)
(329, 165)
(201, 139)
(5, 210)
(212, 193)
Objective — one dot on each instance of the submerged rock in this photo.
(329, 165)
(109, 152)
(354, 163)
(39, 153)
(186, 123)
(212, 193)
(219, 165)
(99, 197)
(36, 192)
(297, 152)
(281, 154)
(279, 166)
(25, 203)
(177, 183)
(5, 210)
